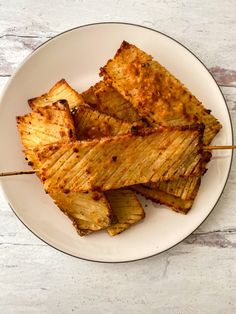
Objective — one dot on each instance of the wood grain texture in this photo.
(198, 275)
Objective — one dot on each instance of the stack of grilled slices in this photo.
(137, 130)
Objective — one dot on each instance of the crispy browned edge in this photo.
(129, 224)
(175, 203)
(51, 91)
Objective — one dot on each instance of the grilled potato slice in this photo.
(154, 92)
(46, 125)
(88, 211)
(110, 163)
(127, 209)
(85, 206)
(106, 99)
(176, 203)
(61, 90)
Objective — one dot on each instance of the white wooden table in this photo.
(196, 276)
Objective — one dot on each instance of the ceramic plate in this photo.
(77, 55)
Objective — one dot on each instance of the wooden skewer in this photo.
(219, 147)
(14, 173)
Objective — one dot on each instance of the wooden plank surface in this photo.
(198, 275)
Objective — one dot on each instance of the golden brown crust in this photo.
(61, 90)
(155, 93)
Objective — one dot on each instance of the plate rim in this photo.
(217, 85)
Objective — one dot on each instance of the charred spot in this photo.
(96, 196)
(114, 158)
(26, 158)
(75, 150)
(140, 104)
(146, 187)
(206, 156)
(134, 130)
(88, 171)
(62, 133)
(30, 163)
(144, 120)
(63, 101)
(124, 44)
(66, 191)
(70, 133)
(102, 71)
(97, 189)
(195, 119)
(145, 64)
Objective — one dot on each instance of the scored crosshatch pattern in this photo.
(197, 276)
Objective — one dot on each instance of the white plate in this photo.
(77, 55)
